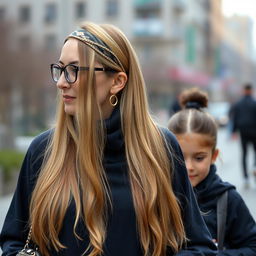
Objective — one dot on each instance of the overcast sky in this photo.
(241, 7)
(244, 7)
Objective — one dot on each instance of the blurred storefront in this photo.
(189, 76)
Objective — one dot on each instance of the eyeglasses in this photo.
(71, 71)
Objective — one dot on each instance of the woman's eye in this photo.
(73, 68)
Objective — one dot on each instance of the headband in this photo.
(96, 44)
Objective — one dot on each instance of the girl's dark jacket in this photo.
(122, 236)
(240, 231)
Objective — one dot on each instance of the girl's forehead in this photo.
(199, 139)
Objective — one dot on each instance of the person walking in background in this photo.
(243, 118)
(196, 131)
(106, 180)
(175, 105)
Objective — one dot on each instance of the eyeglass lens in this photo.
(70, 73)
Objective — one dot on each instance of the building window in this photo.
(80, 10)
(112, 8)
(2, 14)
(50, 42)
(50, 13)
(24, 14)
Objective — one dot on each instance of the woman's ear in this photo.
(119, 83)
(215, 155)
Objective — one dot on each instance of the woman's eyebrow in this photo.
(71, 62)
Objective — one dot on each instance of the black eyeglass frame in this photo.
(77, 68)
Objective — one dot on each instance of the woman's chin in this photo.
(70, 110)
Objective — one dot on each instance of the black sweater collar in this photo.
(114, 147)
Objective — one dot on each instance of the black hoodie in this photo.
(240, 231)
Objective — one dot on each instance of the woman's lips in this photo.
(67, 98)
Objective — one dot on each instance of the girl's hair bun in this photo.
(193, 98)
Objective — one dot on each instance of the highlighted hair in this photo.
(74, 157)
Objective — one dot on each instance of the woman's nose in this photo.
(62, 82)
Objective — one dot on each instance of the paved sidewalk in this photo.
(4, 205)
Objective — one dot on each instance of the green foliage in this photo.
(10, 160)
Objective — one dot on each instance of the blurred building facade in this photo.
(237, 59)
(180, 43)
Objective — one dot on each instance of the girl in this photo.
(196, 132)
(104, 181)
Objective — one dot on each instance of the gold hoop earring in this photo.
(113, 100)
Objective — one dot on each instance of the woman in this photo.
(104, 181)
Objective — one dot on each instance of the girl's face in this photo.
(70, 55)
(198, 155)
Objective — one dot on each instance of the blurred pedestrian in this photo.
(243, 117)
(104, 181)
(196, 131)
(175, 105)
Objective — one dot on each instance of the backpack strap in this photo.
(221, 218)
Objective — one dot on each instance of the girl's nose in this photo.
(62, 82)
(189, 165)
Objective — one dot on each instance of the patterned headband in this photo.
(96, 44)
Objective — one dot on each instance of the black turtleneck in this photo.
(122, 233)
(122, 230)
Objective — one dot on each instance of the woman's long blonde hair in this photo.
(73, 170)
